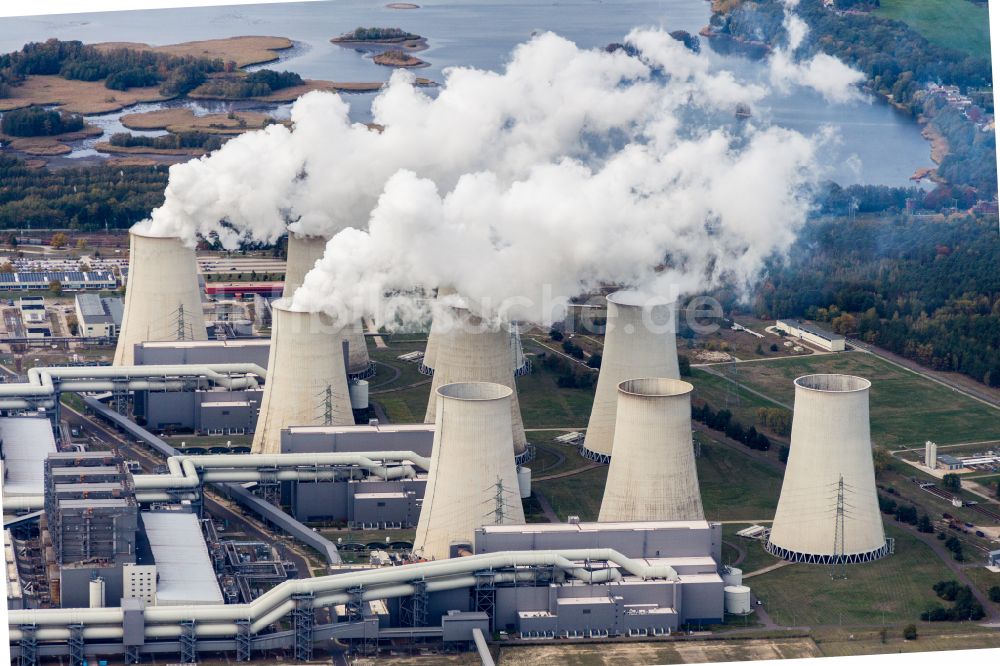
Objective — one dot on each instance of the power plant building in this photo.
(163, 297)
(471, 351)
(98, 316)
(652, 475)
(307, 379)
(639, 342)
(472, 479)
(828, 510)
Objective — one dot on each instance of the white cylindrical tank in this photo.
(97, 593)
(524, 481)
(303, 253)
(472, 479)
(737, 599)
(162, 298)
(652, 475)
(306, 378)
(358, 389)
(471, 351)
(828, 509)
(639, 342)
(732, 576)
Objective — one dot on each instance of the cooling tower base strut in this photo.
(848, 558)
(602, 458)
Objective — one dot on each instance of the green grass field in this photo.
(957, 24)
(906, 410)
(890, 591)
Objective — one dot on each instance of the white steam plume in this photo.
(325, 173)
(675, 208)
(836, 81)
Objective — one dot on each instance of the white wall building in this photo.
(98, 316)
(812, 334)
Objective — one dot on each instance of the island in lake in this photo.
(392, 47)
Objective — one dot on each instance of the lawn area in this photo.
(893, 590)
(957, 24)
(545, 405)
(734, 486)
(842, 642)
(906, 410)
(756, 557)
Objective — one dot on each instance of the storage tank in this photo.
(359, 393)
(306, 378)
(737, 599)
(472, 479)
(470, 350)
(652, 475)
(828, 509)
(162, 298)
(524, 481)
(732, 576)
(97, 593)
(639, 342)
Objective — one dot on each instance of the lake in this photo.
(877, 144)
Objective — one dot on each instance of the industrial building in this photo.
(184, 572)
(812, 334)
(98, 316)
(471, 351)
(828, 510)
(307, 378)
(639, 342)
(653, 476)
(472, 442)
(69, 280)
(25, 442)
(163, 300)
(34, 317)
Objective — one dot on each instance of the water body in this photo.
(876, 143)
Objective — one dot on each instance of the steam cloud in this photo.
(569, 169)
(827, 75)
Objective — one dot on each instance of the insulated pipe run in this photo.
(267, 605)
(192, 471)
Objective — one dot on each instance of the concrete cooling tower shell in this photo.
(430, 350)
(652, 475)
(830, 441)
(472, 480)
(303, 253)
(163, 298)
(306, 378)
(470, 352)
(639, 342)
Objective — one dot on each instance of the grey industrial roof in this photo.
(100, 310)
(815, 330)
(949, 460)
(26, 442)
(183, 566)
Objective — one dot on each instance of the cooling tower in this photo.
(652, 475)
(303, 253)
(430, 351)
(306, 377)
(819, 519)
(639, 342)
(163, 299)
(470, 352)
(472, 479)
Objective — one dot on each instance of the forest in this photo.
(923, 288)
(36, 121)
(256, 84)
(120, 68)
(202, 140)
(377, 35)
(87, 198)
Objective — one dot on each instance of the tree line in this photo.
(202, 140)
(37, 121)
(256, 84)
(925, 289)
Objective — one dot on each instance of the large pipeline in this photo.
(220, 620)
(44, 384)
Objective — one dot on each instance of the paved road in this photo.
(547, 509)
(939, 378)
